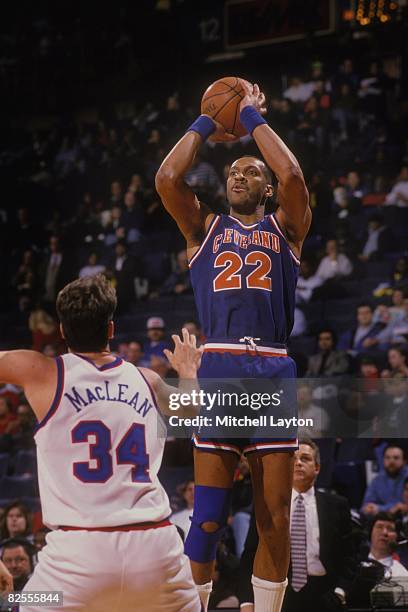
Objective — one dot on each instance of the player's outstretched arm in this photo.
(192, 217)
(33, 372)
(185, 360)
(294, 213)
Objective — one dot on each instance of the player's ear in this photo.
(111, 330)
(268, 191)
(62, 331)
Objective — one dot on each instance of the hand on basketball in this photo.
(253, 97)
(6, 580)
(220, 134)
(186, 357)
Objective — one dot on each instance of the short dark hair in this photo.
(313, 446)
(391, 445)
(384, 516)
(85, 307)
(365, 305)
(15, 543)
(328, 330)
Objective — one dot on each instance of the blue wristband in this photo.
(250, 118)
(204, 126)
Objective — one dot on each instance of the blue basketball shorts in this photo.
(226, 360)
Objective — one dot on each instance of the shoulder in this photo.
(332, 499)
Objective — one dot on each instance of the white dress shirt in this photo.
(394, 567)
(314, 565)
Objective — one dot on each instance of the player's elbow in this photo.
(165, 179)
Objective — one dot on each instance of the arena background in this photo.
(94, 98)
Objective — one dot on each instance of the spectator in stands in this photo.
(178, 283)
(23, 428)
(385, 490)
(378, 239)
(307, 282)
(44, 329)
(308, 409)
(397, 308)
(92, 268)
(132, 217)
(370, 373)
(181, 518)
(25, 280)
(134, 353)
(366, 334)
(124, 270)
(113, 225)
(398, 362)
(156, 342)
(298, 91)
(15, 522)
(17, 556)
(398, 195)
(328, 361)
(12, 393)
(59, 270)
(7, 418)
(382, 544)
(334, 264)
(396, 331)
(400, 272)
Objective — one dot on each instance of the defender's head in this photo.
(85, 309)
(248, 184)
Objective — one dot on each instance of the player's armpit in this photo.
(22, 367)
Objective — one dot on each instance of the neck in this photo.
(93, 355)
(302, 488)
(249, 218)
(379, 553)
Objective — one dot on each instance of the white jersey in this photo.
(100, 447)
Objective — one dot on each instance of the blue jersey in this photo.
(244, 280)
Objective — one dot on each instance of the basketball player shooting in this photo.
(99, 449)
(244, 269)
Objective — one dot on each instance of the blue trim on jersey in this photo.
(106, 366)
(153, 394)
(57, 397)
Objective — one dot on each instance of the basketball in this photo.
(221, 101)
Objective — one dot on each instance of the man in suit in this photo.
(322, 564)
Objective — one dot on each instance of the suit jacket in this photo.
(337, 363)
(336, 545)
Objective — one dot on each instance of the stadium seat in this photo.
(25, 463)
(18, 486)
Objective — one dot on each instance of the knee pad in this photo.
(211, 505)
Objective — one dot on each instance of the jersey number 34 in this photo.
(231, 278)
(131, 450)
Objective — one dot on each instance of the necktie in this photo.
(298, 545)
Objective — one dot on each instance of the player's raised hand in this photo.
(220, 134)
(186, 357)
(253, 97)
(6, 580)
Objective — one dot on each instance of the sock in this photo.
(204, 591)
(268, 595)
